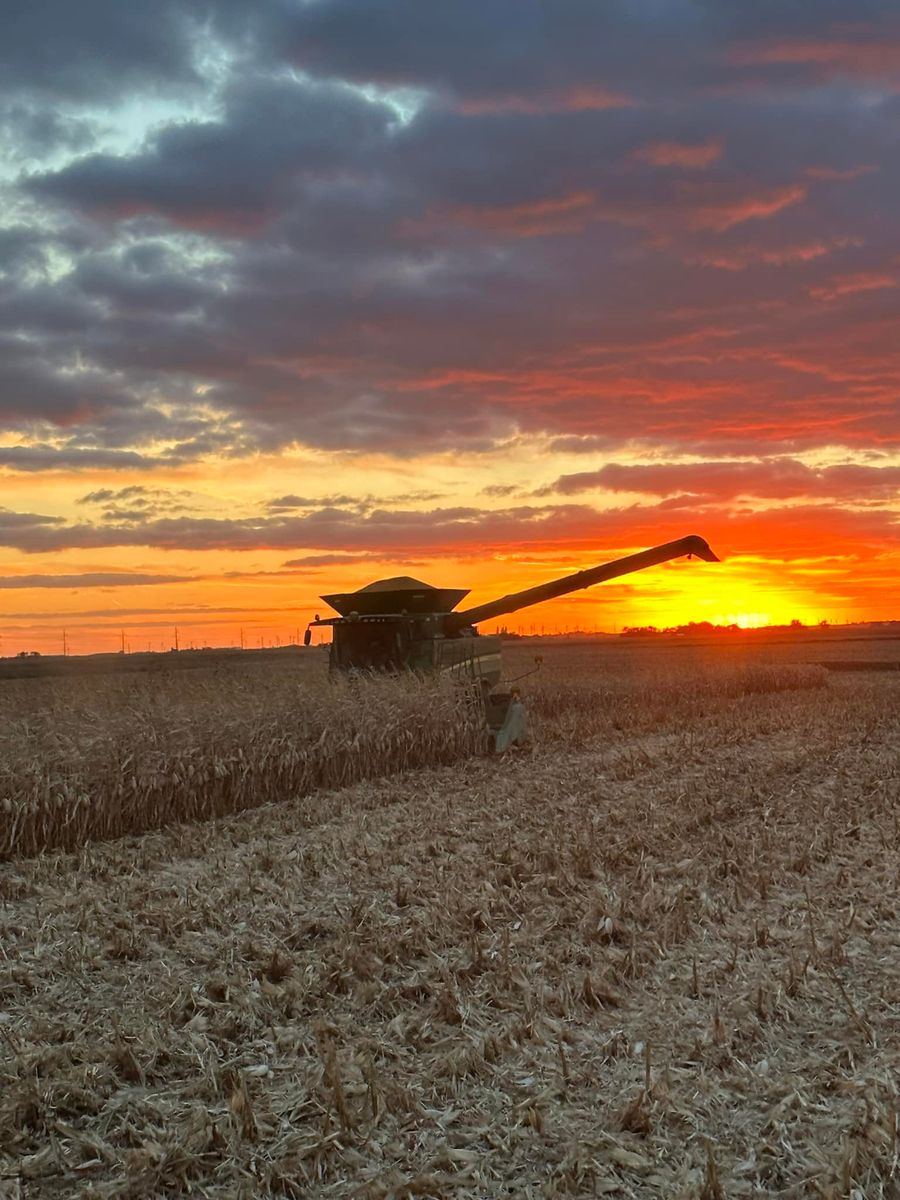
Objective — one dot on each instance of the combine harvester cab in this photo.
(402, 624)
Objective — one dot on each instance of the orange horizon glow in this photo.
(225, 605)
(784, 558)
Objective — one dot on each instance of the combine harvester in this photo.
(403, 625)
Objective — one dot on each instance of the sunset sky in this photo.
(297, 294)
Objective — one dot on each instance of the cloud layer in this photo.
(346, 229)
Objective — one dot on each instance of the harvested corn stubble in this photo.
(659, 956)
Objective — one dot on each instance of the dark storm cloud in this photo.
(665, 222)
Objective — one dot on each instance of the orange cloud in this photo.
(583, 98)
(740, 260)
(837, 175)
(847, 285)
(537, 218)
(227, 221)
(677, 154)
(861, 55)
(756, 206)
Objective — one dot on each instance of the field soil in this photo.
(657, 955)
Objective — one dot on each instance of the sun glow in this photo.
(746, 620)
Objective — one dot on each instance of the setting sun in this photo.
(746, 620)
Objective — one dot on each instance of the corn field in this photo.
(82, 760)
(88, 759)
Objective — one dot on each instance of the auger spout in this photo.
(690, 545)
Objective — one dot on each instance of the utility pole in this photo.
(122, 631)
(65, 645)
(176, 637)
(242, 638)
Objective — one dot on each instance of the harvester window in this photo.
(368, 647)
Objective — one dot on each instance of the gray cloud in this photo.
(326, 528)
(611, 222)
(280, 131)
(88, 579)
(134, 492)
(337, 560)
(51, 458)
(104, 48)
(290, 502)
(386, 533)
(119, 616)
(777, 478)
(136, 503)
(13, 523)
(576, 52)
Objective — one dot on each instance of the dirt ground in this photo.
(661, 963)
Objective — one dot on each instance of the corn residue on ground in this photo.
(656, 956)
